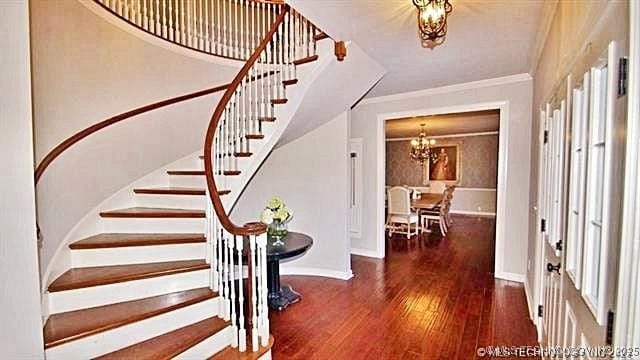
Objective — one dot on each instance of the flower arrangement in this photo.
(276, 215)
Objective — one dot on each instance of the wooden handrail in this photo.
(225, 221)
(70, 141)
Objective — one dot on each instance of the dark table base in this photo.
(279, 300)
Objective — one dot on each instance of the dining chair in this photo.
(399, 212)
(437, 187)
(448, 199)
(438, 214)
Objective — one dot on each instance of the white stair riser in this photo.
(137, 254)
(69, 300)
(171, 201)
(157, 225)
(209, 346)
(112, 340)
(197, 181)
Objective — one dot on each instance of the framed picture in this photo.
(443, 165)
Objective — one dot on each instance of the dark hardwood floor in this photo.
(431, 298)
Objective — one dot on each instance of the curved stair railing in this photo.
(237, 120)
(226, 28)
(273, 40)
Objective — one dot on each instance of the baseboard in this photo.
(527, 295)
(310, 271)
(367, 253)
(477, 213)
(521, 278)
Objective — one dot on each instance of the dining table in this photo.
(427, 201)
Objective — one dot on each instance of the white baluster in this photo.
(224, 28)
(157, 26)
(262, 244)
(218, 29)
(236, 27)
(145, 15)
(242, 332)
(225, 276)
(138, 12)
(200, 21)
(232, 284)
(207, 37)
(164, 19)
(172, 32)
(254, 295)
(151, 16)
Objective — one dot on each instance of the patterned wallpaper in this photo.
(478, 162)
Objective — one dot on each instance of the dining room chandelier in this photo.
(421, 147)
(432, 21)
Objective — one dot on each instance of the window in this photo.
(595, 187)
(577, 178)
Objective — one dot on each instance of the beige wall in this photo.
(516, 94)
(20, 319)
(86, 69)
(478, 162)
(311, 175)
(579, 31)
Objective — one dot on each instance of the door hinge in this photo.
(543, 225)
(540, 310)
(622, 76)
(559, 245)
(610, 318)
(546, 136)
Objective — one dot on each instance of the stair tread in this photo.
(267, 118)
(185, 172)
(289, 82)
(231, 172)
(77, 278)
(148, 212)
(112, 240)
(305, 60)
(171, 344)
(171, 190)
(229, 353)
(68, 326)
(279, 101)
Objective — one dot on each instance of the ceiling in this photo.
(485, 39)
(448, 124)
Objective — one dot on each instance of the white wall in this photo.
(21, 329)
(516, 93)
(311, 175)
(85, 70)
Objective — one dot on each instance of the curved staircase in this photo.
(173, 276)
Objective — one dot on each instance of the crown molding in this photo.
(447, 136)
(548, 12)
(449, 88)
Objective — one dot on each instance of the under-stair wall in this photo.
(85, 69)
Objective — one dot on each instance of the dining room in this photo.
(440, 168)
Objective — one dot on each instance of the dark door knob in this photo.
(552, 268)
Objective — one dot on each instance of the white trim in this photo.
(366, 252)
(503, 155)
(448, 136)
(627, 330)
(449, 88)
(521, 278)
(527, 295)
(312, 271)
(476, 213)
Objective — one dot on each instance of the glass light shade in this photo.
(432, 142)
(432, 20)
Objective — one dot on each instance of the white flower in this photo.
(266, 217)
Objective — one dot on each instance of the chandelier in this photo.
(421, 147)
(432, 21)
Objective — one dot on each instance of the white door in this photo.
(580, 208)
